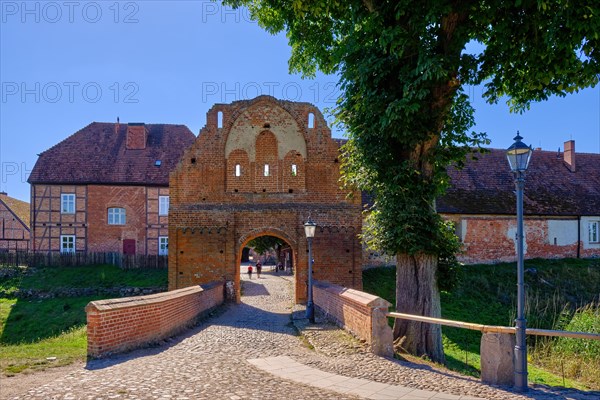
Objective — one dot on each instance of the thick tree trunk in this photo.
(417, 293)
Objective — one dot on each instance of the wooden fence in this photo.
(55, 259)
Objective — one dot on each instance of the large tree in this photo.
(402, 67)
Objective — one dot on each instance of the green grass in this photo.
(486, 294)
(30, 321)
(103, 276)
(31, 331)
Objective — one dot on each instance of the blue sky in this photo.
(66, 64)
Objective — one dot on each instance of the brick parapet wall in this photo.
(118, 325)
(360, 313)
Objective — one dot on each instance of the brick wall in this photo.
(89, 223)
(360, 313)
(48, 223)
(215, 213)
(118, 325)
(492, 238)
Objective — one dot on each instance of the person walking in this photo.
(250, 271)
(258, 269)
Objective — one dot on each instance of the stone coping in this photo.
(353, 295)
(126, 302)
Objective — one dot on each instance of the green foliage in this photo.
(263, 244)
(403, 66)
(576, 358)
(585, 319)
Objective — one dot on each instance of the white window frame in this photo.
(67, 244)
(163, 245)
(594, 231)
(163, 205)
(67, 203)
(117, 216)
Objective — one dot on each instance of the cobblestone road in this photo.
(211, 361)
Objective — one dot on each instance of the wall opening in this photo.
(220, 119)
(311, 120)
(275, 256)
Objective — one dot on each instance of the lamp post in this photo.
(518, 155)
(309, 229)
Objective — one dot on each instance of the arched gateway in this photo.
(262, 167)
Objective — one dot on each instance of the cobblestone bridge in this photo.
(255, 350)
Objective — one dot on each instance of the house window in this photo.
(266, 171)
(163, 205)
(294, 170)
(67, 203)
(116, 216)
(67, 243)
(163, 245)
(594, 231)
(238, 170)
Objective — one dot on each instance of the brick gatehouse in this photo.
(262, 167)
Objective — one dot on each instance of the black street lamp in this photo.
(518, 155)
(309, 229)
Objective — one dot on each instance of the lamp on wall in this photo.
(309, 229)
(518, 155)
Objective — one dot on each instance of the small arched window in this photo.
(311, 120)
(294, 170)
(220, 119)
(116, 216)
(266, 170)
(238, 170)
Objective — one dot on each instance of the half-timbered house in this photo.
(106, 189)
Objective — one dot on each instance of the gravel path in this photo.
(211, 361)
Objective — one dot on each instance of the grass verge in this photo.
(40, 333)
(486, 294)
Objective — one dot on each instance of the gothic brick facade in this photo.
(262, 167)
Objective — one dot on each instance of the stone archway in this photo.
(259, 167)
(267, 231)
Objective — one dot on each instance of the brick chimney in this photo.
(569, 155)
(136, 136)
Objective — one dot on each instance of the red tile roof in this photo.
(98, 154)
(19, 208)
(486, 186)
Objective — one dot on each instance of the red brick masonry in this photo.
(118, 325)
(360, 313)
